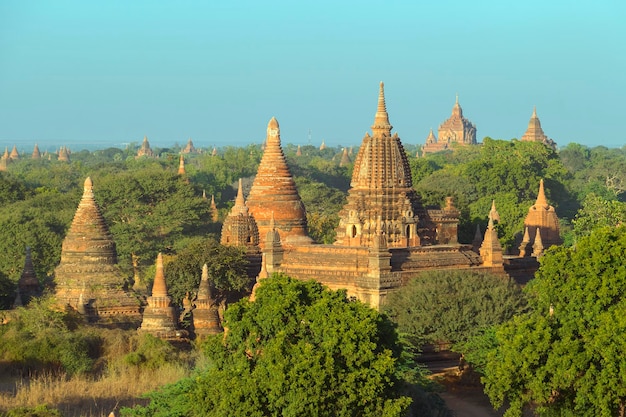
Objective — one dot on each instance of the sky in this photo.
(107, 73)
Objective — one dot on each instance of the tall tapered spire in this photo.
(541, 197)
(159, 288)
(381, 124)
(181, 165)
(381, 187)
(240, 203)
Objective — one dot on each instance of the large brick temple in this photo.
(385, 236)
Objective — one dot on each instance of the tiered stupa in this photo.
(240, 228)
(381, 188)
(274, 183)
(189, 148)
(541, 217)
(534, 132)
(36, 154)
(456, 129)
(89, 269)
(159, 317)
(145, 149)
(206, 319)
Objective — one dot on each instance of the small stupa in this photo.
(491, 250)
(205, 315)
(36, 154)
(14, 154)
(159, 317)
(181, 165)
(542, 218)
(239, 227)
(215, 215)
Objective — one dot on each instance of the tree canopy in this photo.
(298, 350)
(452, 306)
(566, 356)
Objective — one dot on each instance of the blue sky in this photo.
(109, 72)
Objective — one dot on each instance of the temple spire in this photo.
(159, 288)
(381, 124)
(240, 203)
(541, 197)
(181, 165)
(493, 213)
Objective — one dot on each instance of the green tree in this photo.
(565, 357)
(298, 350)
(227, 267)
(597, 212)
(451, 306)
(149, 211)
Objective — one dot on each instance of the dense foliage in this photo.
(227, 267)
(297, 350)
(565, 357)
(451, 306)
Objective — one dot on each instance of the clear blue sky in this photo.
(110, 72)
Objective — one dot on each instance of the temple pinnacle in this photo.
(541, 196)
(159, 287)
(381, 120)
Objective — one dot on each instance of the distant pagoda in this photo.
(189, 148)
(455, 130)
(36, 154)
(145, 150)
(534, 132)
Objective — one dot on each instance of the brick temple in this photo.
(385, 236)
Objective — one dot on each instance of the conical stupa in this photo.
(159, 317)
(206, 319)
(89, 266)
(274, 191)
(36, 154)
